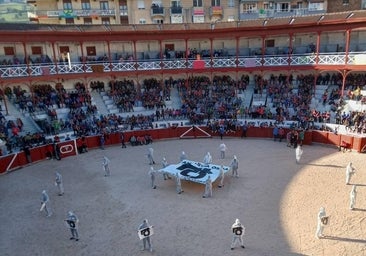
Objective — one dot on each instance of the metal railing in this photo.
(13, 71)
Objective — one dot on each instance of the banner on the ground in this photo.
(195, 171)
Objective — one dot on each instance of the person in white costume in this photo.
(322, 221)
(350, 170)
(238, 232)
(298, 152)
(353, 196)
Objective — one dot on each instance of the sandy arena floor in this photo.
(276, 199)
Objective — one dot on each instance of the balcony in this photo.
(176, 10)
(157, 11)
(216, 11)
(123, 11)
(274, 13)
(295, 60)
(77, 13)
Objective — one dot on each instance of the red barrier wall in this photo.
(68, 148)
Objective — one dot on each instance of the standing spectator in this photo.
(27, 153)
(102, 141)
(301, 136)
(281, 133)
(238, 232)
(72, 221)
(244, 129)
(59, 184)
(275, 133)
(221, 131)
(122, 136)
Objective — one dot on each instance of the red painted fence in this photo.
(69, 148)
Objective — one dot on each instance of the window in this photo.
(169, 47)
(123, 7)
(9, 50)
(85, 4)
(175, 3)
(88, 21)
(283, 7)
(104, 5)
(197, 3)
(248, 8)
(215, 3)
(90, 51)
(270, 43)
(156, 3)
(316, 6)
(67, 5)
(142, 21)
(69, 20)
(106, 20)
(230, 3)
(345, 2)
(36, 50)
(64, 49)
(140, 4)
(230, 18)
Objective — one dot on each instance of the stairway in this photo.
(29, 125)
(98, 100)
(175, 100)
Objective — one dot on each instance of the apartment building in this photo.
(179, 11)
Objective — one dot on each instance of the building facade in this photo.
(178, 11)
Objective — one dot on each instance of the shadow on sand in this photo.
(345, 239)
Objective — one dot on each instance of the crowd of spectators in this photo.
(124, 94)
(36, 59)
(202, 99)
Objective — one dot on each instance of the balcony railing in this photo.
(178, 64)
(274, 13)
(176, 10)
(76, 13)
(157, 11)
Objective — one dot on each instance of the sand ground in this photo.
(276, 199)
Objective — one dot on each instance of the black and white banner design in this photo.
(195, 171)
(145, 232)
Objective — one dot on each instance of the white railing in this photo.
(225, 62)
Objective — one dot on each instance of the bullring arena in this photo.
(276, 199)
(302, 70)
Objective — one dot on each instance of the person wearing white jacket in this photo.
(353, 196)
(238, 232)
(105, 165)
(207, 159)
(298, 152)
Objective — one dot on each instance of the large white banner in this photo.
(195, 171)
